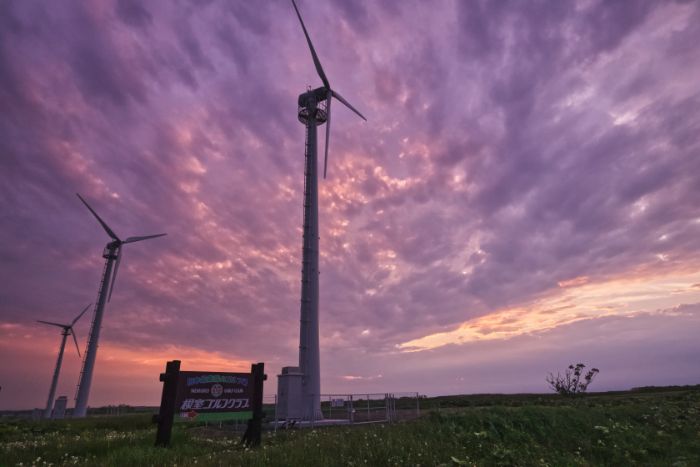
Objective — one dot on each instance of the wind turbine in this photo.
(314, 110)
(67, 329)
(112, 252)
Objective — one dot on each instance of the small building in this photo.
(59, 408)
(289, 405)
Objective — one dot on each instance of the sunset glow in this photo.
(624, 297)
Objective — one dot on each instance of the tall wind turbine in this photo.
(314, 110)
(112, 252)
(67, 329)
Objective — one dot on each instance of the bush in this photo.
(570, 384)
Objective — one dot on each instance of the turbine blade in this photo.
(99, 219)
(114, 274)
(80, 315)
(76, 341)
(347, 104)
(146, 237)
(328, 130)
(51, 324)
(317, 63)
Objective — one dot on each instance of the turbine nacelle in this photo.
(313, 97)
(111, 247)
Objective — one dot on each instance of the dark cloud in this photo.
(133, 13)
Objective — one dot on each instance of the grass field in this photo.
(651, 427)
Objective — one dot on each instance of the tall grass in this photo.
(655, 428)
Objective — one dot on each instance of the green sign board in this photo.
(213, 396)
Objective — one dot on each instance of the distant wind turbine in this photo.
(67, 329)
(314, 110)
(112, 252)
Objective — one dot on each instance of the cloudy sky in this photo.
(524, 195)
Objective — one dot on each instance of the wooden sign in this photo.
(211, 396)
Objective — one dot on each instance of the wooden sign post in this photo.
(167, 403)
(252, 435)
(211, 396)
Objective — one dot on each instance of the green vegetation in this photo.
(645, 427)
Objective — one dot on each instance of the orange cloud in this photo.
(578, 300)
(576, 281)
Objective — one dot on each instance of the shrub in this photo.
(570, 383)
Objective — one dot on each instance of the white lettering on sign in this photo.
(214, 404)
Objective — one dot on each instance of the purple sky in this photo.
(525, 194)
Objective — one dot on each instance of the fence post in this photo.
(418, 404)
(276, 422)
(352, 411)
(313, 411)
(391, 409)
(367, 407)
(392, 401)
(386, 406)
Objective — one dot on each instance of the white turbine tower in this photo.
(67, 329)
(112, 252)
(314, 110)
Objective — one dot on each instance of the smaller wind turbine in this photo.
(112, 252)
(67, 329)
